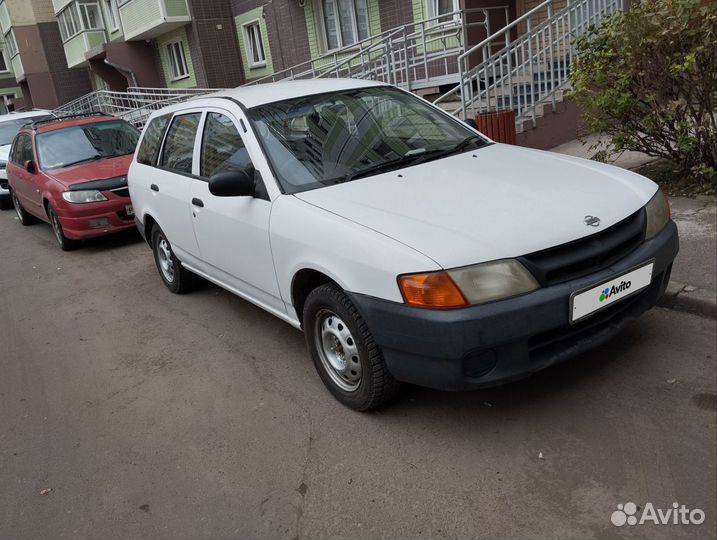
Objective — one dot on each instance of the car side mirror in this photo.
(472, 123)
(238, 183)
(30, 166)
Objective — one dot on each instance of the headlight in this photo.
(3, 164)
(469, 285)
(658, 214)
(86, 196)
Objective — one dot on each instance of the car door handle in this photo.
(154, 187)
(198, 202)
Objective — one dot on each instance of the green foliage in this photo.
(647, 78)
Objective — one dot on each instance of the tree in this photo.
(647, 78)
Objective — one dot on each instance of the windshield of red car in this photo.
(88, 142)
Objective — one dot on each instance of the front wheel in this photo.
(176, 278)
(348, 360)
(65, 243)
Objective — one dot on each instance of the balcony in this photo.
(78, 45)
(147, 19)
(5, 23)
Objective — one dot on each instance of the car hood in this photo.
(497, 202)
(93, 170)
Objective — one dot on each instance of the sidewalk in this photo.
(693, 285)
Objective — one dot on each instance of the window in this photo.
(88, 142)
(10, 126)
(11, 43)
(90, 15)
(78, 17)
(179, 144)
(28, 154)
(112, 14)
(222, 147)
(177, 61)
(153, 134)
(345, 22)
(3, 61)
(254, 44)
(18, 149)
(443, 7)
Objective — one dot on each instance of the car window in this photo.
(27, 152)
(73, 145)
(152, 140)
(324, 139)
(9, 128)
(222, 147)
(179, 143)
(17, 149)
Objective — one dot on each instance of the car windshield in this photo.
(325, 139)
(10, 127)
(84, 143)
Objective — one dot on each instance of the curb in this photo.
(681, 297)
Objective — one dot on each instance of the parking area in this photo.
(152, 415)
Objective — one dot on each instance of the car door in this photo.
(232, 232)
(171, 180)
(24, 183)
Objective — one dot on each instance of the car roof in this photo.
(53, 125)
(24, 114)
(261, 94)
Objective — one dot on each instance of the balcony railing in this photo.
(78, 45)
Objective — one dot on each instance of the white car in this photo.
(10, 124)
(405, 244)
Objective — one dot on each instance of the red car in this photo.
(71, 172)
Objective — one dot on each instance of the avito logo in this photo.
(615, 289)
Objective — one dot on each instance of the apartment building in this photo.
(151, 43)
(33, 58)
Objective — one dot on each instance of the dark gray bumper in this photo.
(499, 342)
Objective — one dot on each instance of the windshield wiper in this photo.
(92, 158)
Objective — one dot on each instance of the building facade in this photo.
(34, 59)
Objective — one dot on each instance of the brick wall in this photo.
(68, 83)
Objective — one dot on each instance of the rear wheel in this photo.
(348, 360)
(22, 215)
(65, 243)
(176, 278)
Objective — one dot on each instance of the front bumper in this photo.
(495, 343)
(83, 221)
(4, 192)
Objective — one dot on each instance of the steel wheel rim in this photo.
(164, 255)
(337, 350)
(16, 204)
(56, 227)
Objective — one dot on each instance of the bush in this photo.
(647, 78)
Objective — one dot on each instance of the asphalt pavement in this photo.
(129, 412)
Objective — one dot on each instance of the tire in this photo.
(175, 277)
(23, 216)
(339, 340)
(65, 243)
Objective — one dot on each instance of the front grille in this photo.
(587, 255)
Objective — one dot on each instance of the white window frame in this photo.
(247, 29)
(180, 62)
(11, 43)
(6, 61)
(112, 15)
(354, 25)
(83, 13)
(71, 20)
(432, 9)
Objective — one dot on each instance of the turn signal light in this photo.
(435, 291)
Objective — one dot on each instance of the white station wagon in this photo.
(406, 245)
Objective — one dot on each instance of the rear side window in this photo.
(154, 132)
(17, 149)
(179, 143)
(222, 147)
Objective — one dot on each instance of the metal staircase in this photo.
(529, 71)
(524, 66)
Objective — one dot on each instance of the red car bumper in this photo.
(89, 220)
